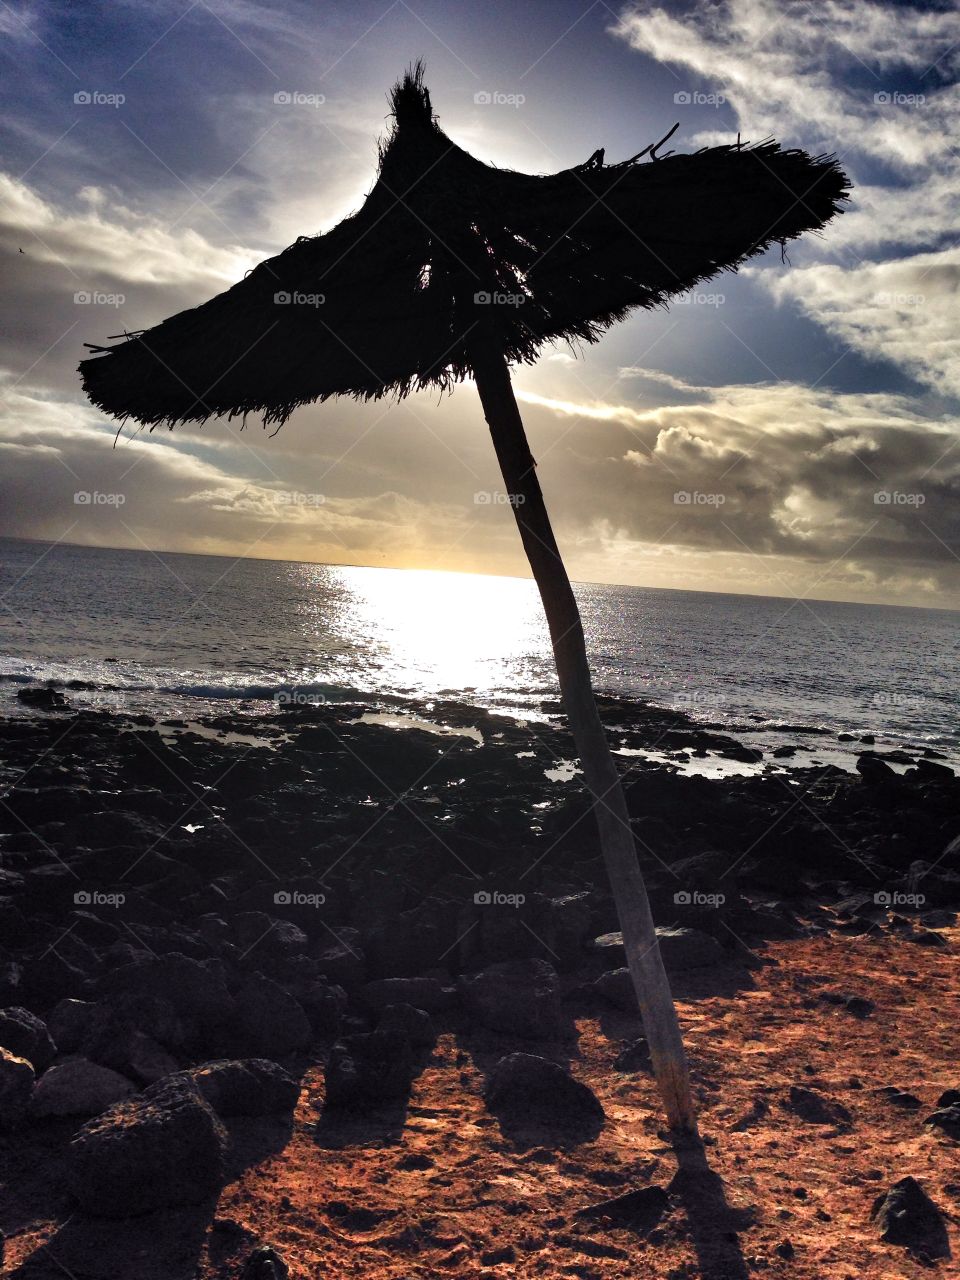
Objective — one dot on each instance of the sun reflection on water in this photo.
(428, 631)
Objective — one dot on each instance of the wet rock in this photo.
(265, 1263)
(518, 997)
(78, 1087)
(907, 1216)
(368, 1069)
(242, 1087)
(26, 1036)
(816, 1108)
(523, 1086)
(16, 1086)
(149, 1153)
(415, 1024)
(42, 698)
(874, 771)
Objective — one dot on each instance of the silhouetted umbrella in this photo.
(453, 268)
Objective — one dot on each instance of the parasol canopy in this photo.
(384, 302)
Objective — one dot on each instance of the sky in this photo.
(790, 430)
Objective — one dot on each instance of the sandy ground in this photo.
(439, 1189)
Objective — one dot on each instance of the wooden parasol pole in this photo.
(517, 466)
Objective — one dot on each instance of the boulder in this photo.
(415, 1024)
(68, 1022)
(518, 997)
(906, 1215)
(26, 1036)
(78, 1087)
(267, 1021)
(368, 1069)
(16, 1086)
(946, 1119)
(429, 994)
(523, 1085)
(242, 1086)
(149, 1153)
(680, 948)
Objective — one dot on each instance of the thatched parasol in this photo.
(451, 269)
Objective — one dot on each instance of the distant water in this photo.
(182, 635)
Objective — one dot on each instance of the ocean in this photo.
(181, 636)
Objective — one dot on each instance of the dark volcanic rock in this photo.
(368, 1069)
(947, 1120)
(415, 1024)
(68, 1022)
(26, 1036)
(16, 1086)
(78, 1087)
(152, 1153)
(42, 699)
(518, 997)
(523, 1086)
(681, 949)
(265, 1263)
(429, 994)
(267, 1021)
(817, 1108)
(906, 1215)
(241, 1087)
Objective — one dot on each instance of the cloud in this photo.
(905, 311)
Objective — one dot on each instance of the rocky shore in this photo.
(197, 920)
